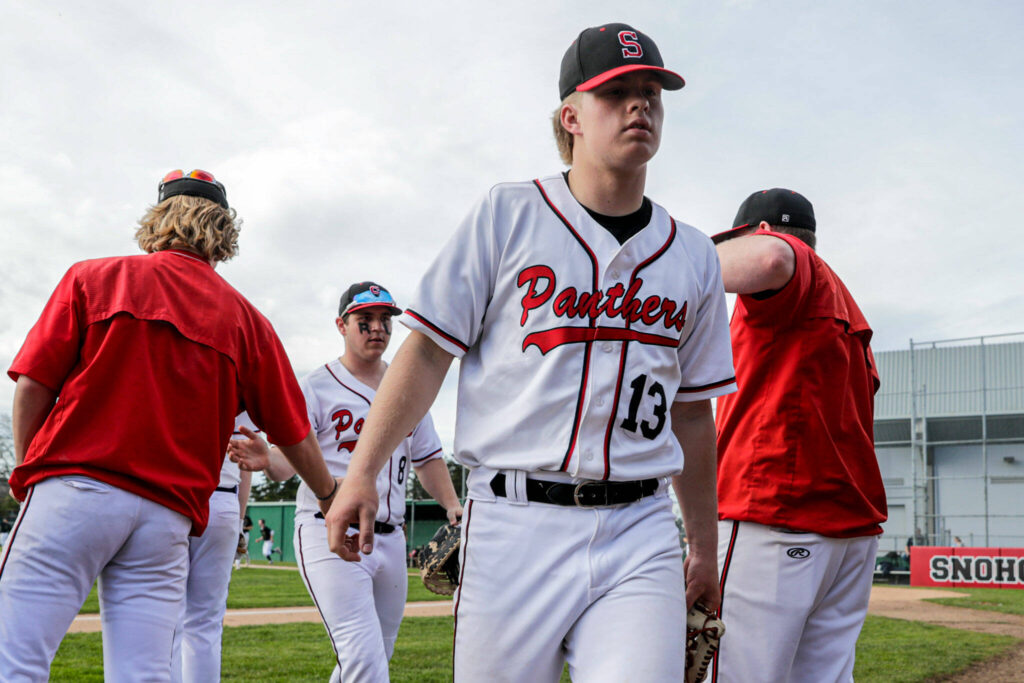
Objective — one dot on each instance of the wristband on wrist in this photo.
(333, 491)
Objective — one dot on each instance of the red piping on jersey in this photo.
(725, 572)
(462, 573)
(391, 480)
(592, 323)
(639, 336)
(302, 563)
(428, 455)
(328, 366)
(704, 387)
(436, 329)
(615, 412)
(14, 530)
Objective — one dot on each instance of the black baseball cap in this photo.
(601, 53)
(364, 295)
(196, 184)
(777, 206)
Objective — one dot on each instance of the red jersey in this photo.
(796, 443)
(152, 357)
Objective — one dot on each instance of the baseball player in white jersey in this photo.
(361, 604)
(197, 639)
(592, 332)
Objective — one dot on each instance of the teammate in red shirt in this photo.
(127, 391)
(800, 497)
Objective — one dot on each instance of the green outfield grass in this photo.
(889, 650)
(898, 651)
(1005, 600)
(256, 587)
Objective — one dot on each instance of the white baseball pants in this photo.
(197, 639)
(71, 530)
(793, 604)
(361, 603)
(600, 588)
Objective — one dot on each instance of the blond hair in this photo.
(186, 222)
(563, 138)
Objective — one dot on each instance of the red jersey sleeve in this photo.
(53, 345)
(271, 394)
(785, 304)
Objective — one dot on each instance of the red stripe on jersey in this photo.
(391, 480)
(593, 323)
(545, 340)
(705, 387)
(14, 530)
(615, 411)
(428, 455)
(622, 356)
(436, 329)
(328, 366)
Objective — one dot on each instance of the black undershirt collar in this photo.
(622, 227)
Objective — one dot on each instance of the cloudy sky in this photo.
(352, 137)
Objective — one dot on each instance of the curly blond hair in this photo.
(563, 138)
(185, 222)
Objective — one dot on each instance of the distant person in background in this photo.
(243, 557)
(268, 542)
(957, 542)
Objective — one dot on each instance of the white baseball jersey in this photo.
(573, 346)
(338, 404)
(230, 475)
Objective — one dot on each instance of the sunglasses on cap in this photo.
(373, 295)
(197, 183)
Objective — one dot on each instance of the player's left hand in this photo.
(355, 503)
(251, 453)
(455, 515)
(701, 573)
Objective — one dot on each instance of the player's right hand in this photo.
(251, 453)
(355, 503)
(701, 573)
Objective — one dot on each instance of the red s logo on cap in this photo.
(630, 46)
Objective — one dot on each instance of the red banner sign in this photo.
(967, 567)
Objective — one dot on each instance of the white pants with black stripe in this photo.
(793, 604)
(361, 603)
(542, 585)
(71, 530)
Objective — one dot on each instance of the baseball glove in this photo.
(703, 632)
(439, 561)
(242, 545)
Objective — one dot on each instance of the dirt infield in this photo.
(907, 603)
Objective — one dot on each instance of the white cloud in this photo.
(353, 138)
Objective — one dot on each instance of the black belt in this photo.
(378, 527)
(227, 489)
(584, 494)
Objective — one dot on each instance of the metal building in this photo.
(949, 434)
